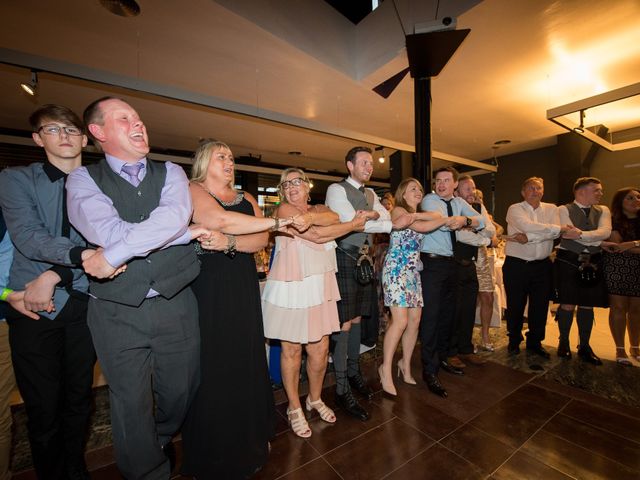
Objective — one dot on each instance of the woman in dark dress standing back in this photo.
(622, 273)
(229, 425)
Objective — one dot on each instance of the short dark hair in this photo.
(58, 113)
(584, 181)
(351, 154)
(451, 170)
(93, 114)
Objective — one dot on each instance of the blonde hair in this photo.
(202, 157)
(283, 178)
(400, 191)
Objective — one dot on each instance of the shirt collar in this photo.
(53, 172)
(116, 164)
(581, 205)
(354, 182)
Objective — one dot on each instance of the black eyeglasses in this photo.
(57, 130)
(294, 182)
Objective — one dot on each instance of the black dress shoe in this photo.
(563, 349)
(358, 384)
(447, 367)
(540, 351)
(169, 451)
(433, 384)
(587, 355)
(513, 349)
(349, 404)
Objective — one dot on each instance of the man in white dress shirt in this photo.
(346, 198)
(532, 225)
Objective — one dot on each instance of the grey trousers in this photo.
(150, 357)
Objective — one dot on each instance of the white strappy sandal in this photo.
(298, 423)
(325, 412)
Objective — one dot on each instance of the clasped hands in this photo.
(613, 247)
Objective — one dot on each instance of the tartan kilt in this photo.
(356, 300)
(569, 290)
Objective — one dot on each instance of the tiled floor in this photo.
(497, 423)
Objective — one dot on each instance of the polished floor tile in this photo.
(316, 470)
(497, 423)
(514, 419)
(478, 448)
(288, 452)
(437, 462)
(411, 407)
(574, 460)
(522, 466)
(605, 419)
(595, 440)
(378, 451)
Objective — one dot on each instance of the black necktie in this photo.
(66, 226)
(452, 234)
(361, 188)
(586, 210)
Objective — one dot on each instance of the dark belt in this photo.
(528, 262)
(349, 248)
(465, 262)
(572, 257)
(435, 256)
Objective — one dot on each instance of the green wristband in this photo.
(5, 293)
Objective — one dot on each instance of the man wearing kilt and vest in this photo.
(144, 322)
(346, 198)
(578, 266)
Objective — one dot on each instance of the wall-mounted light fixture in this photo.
(615, 123)
(380, 152)
(31, 87)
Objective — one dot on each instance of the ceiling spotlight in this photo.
(310, 184)
(31, 87)
(580, 128)
(381, 157)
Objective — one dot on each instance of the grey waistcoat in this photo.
(358, 201)
(166, 271)
(584, 223)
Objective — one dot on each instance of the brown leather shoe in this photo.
(455, 362)
(473, 359)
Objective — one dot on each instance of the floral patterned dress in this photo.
(401, 272)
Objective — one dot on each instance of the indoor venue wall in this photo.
(512, 170)
(616, 170)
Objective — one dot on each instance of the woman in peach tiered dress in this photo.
(301, 293)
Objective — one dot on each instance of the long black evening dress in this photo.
(231, 420)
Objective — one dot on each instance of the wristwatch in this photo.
(468, 221)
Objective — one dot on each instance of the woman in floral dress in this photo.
(401, 281)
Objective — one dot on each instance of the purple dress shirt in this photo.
(92, 213)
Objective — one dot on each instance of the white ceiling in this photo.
(301, 63)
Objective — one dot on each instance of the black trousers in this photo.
(527, 280)
(53, 363)
(465, 309)
(439, 293)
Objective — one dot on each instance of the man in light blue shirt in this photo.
(7, 381)
(438, 255)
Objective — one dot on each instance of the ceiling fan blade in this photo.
(389, 85)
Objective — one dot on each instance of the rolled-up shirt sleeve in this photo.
(93, 214)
